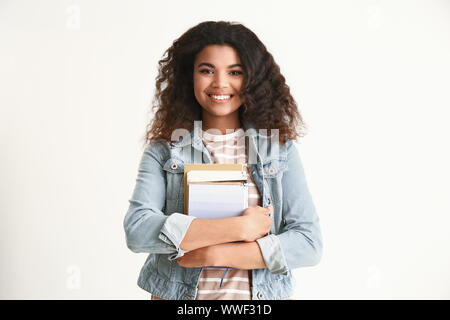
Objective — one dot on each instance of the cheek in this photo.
(199, 87)
(238, 85)
(197, 93)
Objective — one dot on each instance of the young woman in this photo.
(221, 76)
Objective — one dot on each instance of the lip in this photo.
(221, 94)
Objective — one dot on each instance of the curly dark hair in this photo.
(266, 99)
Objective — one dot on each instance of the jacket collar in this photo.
(256, 139)
(194, 136)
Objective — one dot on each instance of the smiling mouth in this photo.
(220, 98)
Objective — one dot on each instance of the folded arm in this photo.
(148, 229)
(238, 255)
(298, 244)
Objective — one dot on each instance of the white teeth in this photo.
(220, 97)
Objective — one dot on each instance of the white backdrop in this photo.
(371, 79)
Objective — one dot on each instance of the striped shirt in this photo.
(228, 148)
(236, 284)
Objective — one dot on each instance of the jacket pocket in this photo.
(164, 266)
(174, 169)
(274, 168)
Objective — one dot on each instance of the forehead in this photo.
(219, 55)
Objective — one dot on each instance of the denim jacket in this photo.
(155, 222)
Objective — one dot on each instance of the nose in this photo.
(220, 80)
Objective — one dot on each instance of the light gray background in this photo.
(371, 79)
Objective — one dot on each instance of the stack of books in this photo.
(213, 191)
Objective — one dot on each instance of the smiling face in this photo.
(218, 78)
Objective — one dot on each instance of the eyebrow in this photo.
(212, 66)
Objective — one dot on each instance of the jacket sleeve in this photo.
(147, 228)
(299, 242)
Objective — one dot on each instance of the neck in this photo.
(221, 123)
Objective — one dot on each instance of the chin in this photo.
(218, 112)
(222, 114)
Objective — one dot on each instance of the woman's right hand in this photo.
(256, 223)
